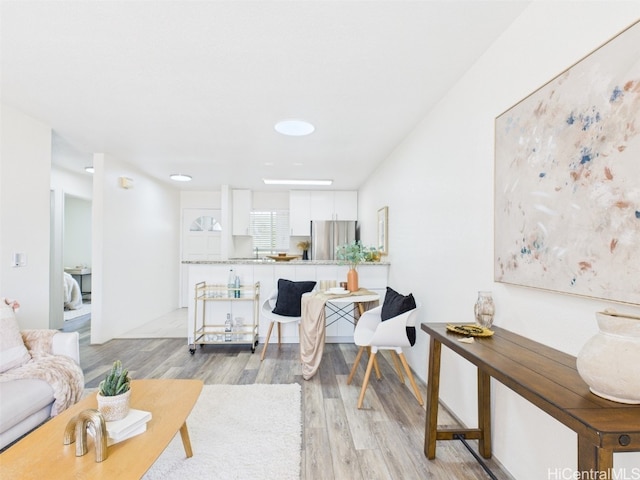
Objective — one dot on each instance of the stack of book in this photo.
(133, 424)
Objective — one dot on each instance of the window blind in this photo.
(270, 231)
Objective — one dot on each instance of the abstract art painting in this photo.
(567, 179)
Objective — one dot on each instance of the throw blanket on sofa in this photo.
(61, 372)
(72, 293)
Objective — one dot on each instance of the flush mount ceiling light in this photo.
(269, 181)
(294, 128)
(89, 169)
(180, 177)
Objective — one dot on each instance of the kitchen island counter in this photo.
(269, 261)
(372, 276)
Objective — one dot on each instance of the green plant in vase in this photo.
(352, 254)
(304, 246)
(116, 382)
(114, 393)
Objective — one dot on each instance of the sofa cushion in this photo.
(22, 398)
(289, 301)
(13, 353)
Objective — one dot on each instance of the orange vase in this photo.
(352, 280)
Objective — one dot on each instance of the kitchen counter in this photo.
(254, 261)
(372, 276)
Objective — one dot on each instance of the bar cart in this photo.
(213, 320)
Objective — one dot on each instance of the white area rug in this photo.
(238, 432)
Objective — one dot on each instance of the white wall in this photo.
(438, 185)
(135, 249)
(25, 157)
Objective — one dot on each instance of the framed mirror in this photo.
(383, 230)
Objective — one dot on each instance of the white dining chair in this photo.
(373, 334)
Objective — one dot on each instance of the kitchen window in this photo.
(270, 231)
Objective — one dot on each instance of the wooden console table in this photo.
(544, 376)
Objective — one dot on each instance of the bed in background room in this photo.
(72, 293)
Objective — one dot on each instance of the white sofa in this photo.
(27, 402)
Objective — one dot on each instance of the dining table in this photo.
(320, 307)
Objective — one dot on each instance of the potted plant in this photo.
(373, 254)
(352, 254)
(304, 246)
(114, 393)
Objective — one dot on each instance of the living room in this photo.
(438, 184)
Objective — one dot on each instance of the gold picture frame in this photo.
(383, 230)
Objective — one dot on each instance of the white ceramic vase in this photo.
(610, 361)
(114, 408)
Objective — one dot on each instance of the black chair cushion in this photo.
(289, 301)
(396, 304)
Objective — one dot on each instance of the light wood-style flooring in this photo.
(384, 440)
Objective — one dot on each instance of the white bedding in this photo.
(72, 293)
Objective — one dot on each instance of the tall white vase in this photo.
(610, 361)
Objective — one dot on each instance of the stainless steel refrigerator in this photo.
(327, 235)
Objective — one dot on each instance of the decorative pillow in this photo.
(396, 304)
(13, 353)
(289, 301)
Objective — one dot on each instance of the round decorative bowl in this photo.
(114, 408)
(610, 360)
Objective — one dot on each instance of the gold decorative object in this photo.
(470, 330)
(76, 431)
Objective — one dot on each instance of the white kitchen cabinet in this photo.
(300, 212)
(345, 205)
(321, 205)
(241, 212)
(334, 205)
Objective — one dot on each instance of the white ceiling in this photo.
(197, 86)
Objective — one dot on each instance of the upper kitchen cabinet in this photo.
(334, 205)
(241, 212)
(300, 213)
(308, 205)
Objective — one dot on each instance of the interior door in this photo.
(201, 234)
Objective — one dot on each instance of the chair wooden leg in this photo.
(411, 380)
(367, 374)
(394, 355)
(279, 335)
(266, 341)
(375, 364)
(355, 365)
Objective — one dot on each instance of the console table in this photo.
(542, 375)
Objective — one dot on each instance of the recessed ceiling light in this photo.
(269, 181)
(295, 128)
(180, 177)
(89, 169)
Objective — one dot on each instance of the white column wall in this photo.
(25, 159)
(438, 185)
(135, 247)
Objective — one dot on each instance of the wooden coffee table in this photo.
(42, 454)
